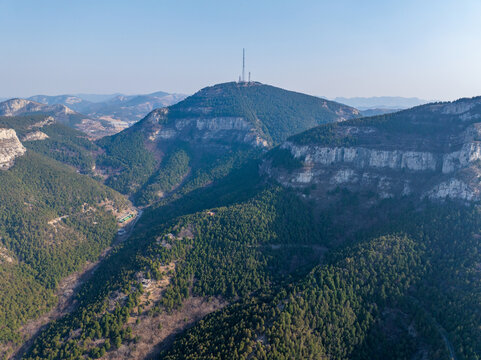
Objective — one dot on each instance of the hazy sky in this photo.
(429, 49)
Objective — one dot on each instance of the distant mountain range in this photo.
(62, 113)
(97, 97)
(99, 115)
(123, 109)
(96, 115)
(381, 102)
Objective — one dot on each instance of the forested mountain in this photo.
(295, 283)
(52, 221)
(46, 136)
(299, 266)
(191, 143)
(356, 239)
(396, 295)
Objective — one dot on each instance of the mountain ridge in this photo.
(61, 113)
(386, 154)
(334, 261)
(122, 110)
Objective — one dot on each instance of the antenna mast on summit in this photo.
(243, 65)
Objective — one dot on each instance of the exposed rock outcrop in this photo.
(204, 129)
(432, 151)
(49, 120)
(10, 148)
(34, 136)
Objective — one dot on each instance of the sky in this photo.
(423, 48)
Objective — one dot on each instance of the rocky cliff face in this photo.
(217, 128)
(203, 129)
(10, 148)
(431, 151)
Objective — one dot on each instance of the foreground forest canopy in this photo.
(239, 252)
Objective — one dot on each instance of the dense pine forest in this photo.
(277, 272)
(51, 223)
(391, 292)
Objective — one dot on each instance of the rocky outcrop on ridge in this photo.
(10, 148)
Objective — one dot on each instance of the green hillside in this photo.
(363, 300)
(342, 276)
(427, 127)
(294, 290)
(51, 222)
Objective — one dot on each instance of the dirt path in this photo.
(66, 291)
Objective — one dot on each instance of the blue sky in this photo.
(429, 49)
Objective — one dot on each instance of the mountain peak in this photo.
(215, 128)
(274, 113)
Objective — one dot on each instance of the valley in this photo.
(263, 223)
(66, 293)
